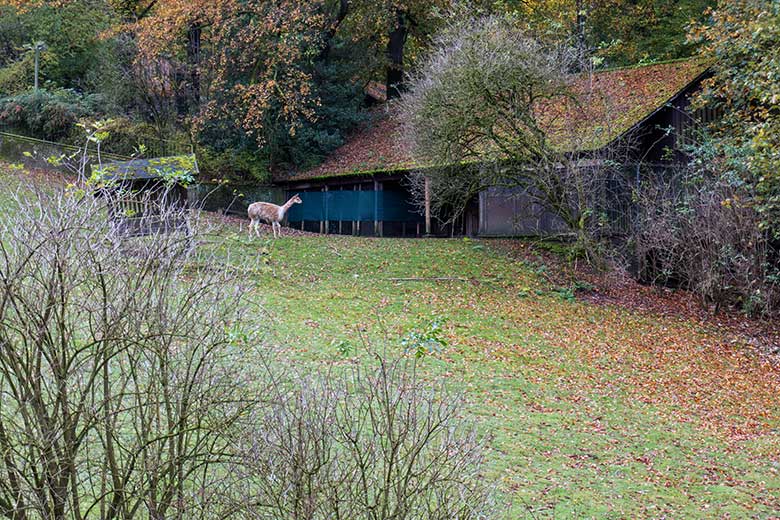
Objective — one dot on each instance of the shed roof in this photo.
(608, 104)
(155, 168)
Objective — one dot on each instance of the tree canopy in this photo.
(280, 82)
(744, 38)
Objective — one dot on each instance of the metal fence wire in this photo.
(143, 146)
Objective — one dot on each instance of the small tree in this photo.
(473, 115)
(742, 38)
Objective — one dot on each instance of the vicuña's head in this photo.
(296, 199)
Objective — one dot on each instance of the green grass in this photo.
(593, 411)
(572, 436)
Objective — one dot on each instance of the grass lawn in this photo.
(594, 410)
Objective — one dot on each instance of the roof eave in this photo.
(658, 109)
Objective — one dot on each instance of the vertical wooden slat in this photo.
(341, 188)
(324, 224)
(427, 206)
(356, 227)
(377, 221)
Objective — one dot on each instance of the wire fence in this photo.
(150, 146)
(35, 146)
(116, 147)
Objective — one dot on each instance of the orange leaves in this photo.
(24, 5)
(247, 58)
(654, 347)
(161, 29)
(376, 148)
(608, 103)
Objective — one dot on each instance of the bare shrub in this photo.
(699, 231)
(130, 387)
(372, 442)
(474, 95)
(119, 368)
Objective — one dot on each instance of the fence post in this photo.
(356, 228)
(325, 203)
(341, 188)
(427, 206)
(377, 222)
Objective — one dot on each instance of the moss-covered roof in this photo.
(155, 168)
(605, 106)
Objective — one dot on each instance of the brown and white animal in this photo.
(271, 213)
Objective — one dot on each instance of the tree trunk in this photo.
(193, 62)
(427, 206)
(582, 18)
(188, 77)
(395, 54)
(327, 44)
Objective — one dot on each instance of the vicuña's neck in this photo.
(285, 207)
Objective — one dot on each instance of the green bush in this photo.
(137, 138)
(126, 136)
(338, 112)
(233, 165)
(18, 76)
(50, 115)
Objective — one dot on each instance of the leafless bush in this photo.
(474, 95)
(698, 231)
(588, 194)
(373, 442)
(119, 365)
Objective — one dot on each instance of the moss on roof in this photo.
(609, 103)
(605, 106)
(167, 168)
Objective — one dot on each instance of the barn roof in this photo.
(609, 103)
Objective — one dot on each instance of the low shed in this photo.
(379, 207)
(146, 195)
(361, 189)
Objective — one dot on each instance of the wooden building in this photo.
(362, 187)
(147, 195)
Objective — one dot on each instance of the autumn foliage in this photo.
(744, 36)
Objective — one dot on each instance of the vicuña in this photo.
(271, 213)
